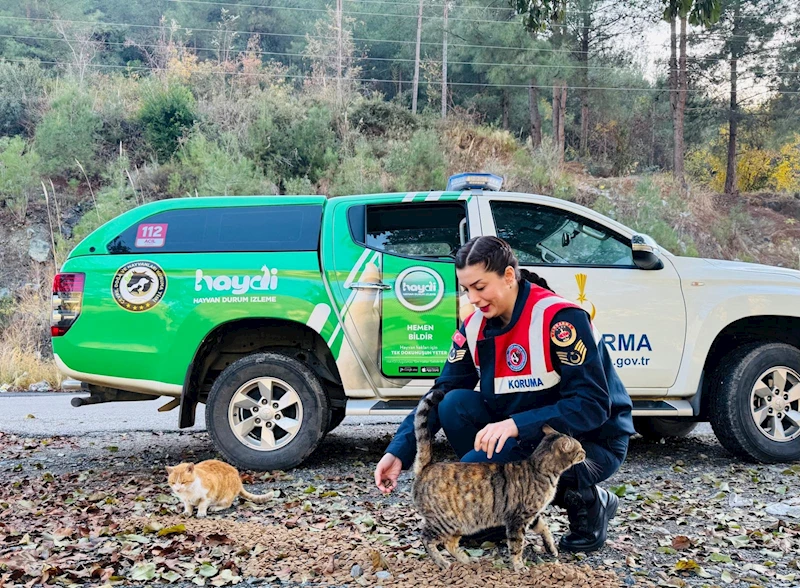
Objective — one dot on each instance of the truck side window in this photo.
(415, 230)
(540, 235)
(233, 229)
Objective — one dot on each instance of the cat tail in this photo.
(256, 498)
(426, 404)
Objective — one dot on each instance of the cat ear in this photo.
(169, 469)
(190, 468)
(548, 430)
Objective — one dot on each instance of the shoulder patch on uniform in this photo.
(456, 355)
(575, 356)
(563, 334)
(459, 339)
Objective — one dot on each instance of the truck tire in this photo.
(755, 395)
(267, 411)
(662, 427)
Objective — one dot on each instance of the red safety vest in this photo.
(522, 354)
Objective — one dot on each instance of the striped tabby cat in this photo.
(456, 499)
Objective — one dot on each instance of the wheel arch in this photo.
(232, 340)
(764, 328)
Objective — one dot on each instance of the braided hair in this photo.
(496, 255)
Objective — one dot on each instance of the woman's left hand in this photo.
(493, 436)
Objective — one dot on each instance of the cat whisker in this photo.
(592, 466)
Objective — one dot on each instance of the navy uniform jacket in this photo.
(589, 403)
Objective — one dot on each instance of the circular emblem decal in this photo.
(563, 334)
(516, 357)
(139, 285)
(419, 288)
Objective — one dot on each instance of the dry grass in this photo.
(25, 351)
(472, 148)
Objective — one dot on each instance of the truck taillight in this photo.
(67, 298)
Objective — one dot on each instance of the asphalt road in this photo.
(47, 414)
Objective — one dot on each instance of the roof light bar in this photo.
(474, 181)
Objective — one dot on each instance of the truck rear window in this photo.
(411, 230)
(204, 230)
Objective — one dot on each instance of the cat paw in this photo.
(521, 567)
(462, 557)
(201, 515)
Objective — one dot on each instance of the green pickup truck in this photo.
(285, 314)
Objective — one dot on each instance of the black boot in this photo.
(589, 512)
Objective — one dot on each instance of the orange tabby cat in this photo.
(208, 484)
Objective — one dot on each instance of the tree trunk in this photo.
(505, 109)
(444, 63)
(339, 54)
(683, 87)
(677, 96)
(731, 188)
(416, 61)
(559, 87)
(536, 118)
(653, 134)
(584, 57)
(559, 107)
(556, 111)
(561, 121)
(673, 91)
(733, 122)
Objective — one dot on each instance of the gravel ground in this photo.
(87, 510)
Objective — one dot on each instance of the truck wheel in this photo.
(337, 416)
(755, 402)
(662, 427)
(267, 411)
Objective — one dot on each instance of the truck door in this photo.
(640, 314)
(393, 279)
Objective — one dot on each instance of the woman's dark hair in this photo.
(495, 255)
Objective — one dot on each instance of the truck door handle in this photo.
(369, 286)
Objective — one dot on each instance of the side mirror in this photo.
(645, 256)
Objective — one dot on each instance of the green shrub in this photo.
(118, 103)
(20, 92)
(68, 132)
(166, 115)
(299, 186)
(418, 164)
(359, 174)
(376, 117)
(290, 141)
(18, 178)
(211, 170)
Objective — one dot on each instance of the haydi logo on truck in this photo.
(419, 288)
(238, 285)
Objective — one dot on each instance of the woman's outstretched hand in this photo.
(386, 473)
(493, 436)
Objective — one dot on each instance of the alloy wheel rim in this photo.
(775, 404)
(265, 414)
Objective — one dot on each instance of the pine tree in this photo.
(743, 33)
